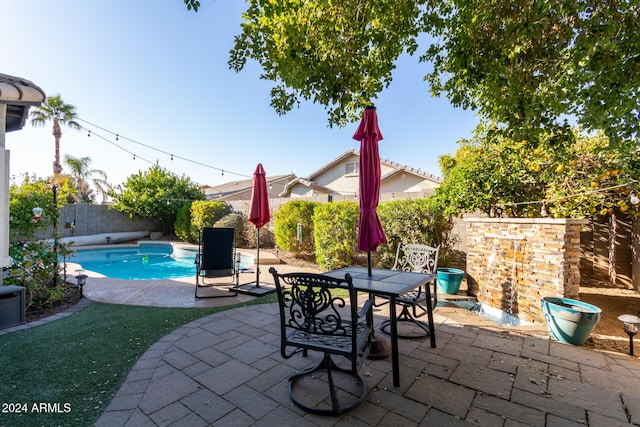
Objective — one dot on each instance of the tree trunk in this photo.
(57, 134)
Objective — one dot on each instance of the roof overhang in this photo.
(18, 94)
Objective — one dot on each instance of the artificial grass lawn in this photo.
(80, 361)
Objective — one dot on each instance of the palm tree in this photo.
(81, 173)
(54, 109)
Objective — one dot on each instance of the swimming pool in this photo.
(144, 262)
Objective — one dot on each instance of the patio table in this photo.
(391, 284)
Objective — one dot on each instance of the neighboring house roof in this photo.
(18, 94)
(397, 168)
(241, 190)
(307, 183)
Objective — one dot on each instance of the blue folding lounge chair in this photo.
(217, 258)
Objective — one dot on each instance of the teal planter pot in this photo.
(449, 280)
(570, 321)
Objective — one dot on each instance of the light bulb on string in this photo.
(543, 209)
(633, 197)
(134, 157)
(172, 157)
(117, 137)
(223, 173)
(89, 134)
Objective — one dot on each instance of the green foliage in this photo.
(574, 178)
(335, 234)
(22, 199)
(339, 54)
(192, 217)
(525, 64)
(155, 194)
(406, 221)
(238, 222)
(55, 110)
(205, 213)
(34, 263)
(182, 226)
(286, 226)
(33, 268)
(82, 175)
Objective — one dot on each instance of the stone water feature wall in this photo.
(512, 263)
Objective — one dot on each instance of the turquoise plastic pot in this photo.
(570, 321)
(449, 280)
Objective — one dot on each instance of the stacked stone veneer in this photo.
(512, 263)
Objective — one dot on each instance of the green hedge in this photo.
(413, 221)
(286, 226)
(334, 227)
(193, 217)
(335, 234)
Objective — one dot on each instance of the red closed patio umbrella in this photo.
(259, 216)
(370, 231)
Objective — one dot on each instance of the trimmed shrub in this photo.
(205, 213)
(335, 234)
(267, 237)
(182, 226)
(413, 221)
(286, 226)
(236, 221)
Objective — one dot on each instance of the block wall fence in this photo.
(96, 219)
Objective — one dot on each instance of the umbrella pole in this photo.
(258, 257)
(369, 263)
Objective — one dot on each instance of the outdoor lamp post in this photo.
(82, 280)
(55, 235)
(630, 327)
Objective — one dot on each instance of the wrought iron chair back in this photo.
(419, 259)
(313, 316)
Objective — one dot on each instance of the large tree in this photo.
(585, 177)
(81, 172)
(524, 64)
(156, 194)
(56, 111)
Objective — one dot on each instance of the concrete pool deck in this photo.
(175, 292)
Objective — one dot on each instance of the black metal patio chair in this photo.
(419, 259)
(313, 316)
(217, 258)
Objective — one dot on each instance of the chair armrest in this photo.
(365, 308)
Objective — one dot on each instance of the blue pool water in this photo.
(138, 263)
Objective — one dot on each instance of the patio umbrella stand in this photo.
(258, 216)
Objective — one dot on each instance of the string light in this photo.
(89, 134)
(156, 149)
(599, 190)
(172, 157)
(633, 197)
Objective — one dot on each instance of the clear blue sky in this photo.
(156, 73)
